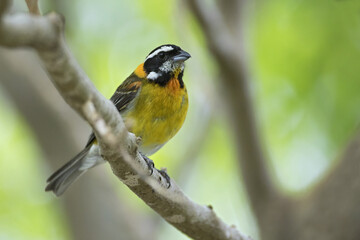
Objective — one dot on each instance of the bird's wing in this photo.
(126, 92)
(123, 96)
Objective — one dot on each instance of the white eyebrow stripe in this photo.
(162, 49)
(153, 75)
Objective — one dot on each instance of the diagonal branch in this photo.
(335, 199)
(29, 89)
(118, 146)
(228, 51)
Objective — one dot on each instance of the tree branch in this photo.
(33, 6)
(118, 146)
(231, 10)
(317, 214)
(29, 89)
(229, 54)
(228, 50)
(335, 199)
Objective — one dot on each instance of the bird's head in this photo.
(164, 63)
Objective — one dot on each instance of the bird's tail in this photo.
(60, 180)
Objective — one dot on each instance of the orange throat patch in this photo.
(173, 85)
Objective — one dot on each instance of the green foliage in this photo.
(304, 60)
(25, 211)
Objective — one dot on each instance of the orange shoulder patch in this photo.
(139, 71)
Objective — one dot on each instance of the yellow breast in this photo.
(158, 113)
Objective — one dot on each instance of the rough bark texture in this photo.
(330, 210)
(118, 147)
(57, 129)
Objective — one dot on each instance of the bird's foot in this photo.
(151, 166)
(166, 176)
(150, 163)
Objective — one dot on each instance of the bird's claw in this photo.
(150, 164)
(166, 176)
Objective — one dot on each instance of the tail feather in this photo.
(60, 180)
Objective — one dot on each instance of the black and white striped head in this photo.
(164, 63)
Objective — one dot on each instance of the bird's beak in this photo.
(181, 57)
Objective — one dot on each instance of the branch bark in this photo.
(118, 146)
(29, 89)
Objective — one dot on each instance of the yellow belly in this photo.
(158, 113)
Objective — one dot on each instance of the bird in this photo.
(153, 103)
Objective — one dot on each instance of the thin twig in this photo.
(33, 6)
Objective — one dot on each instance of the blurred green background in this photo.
(304, 61)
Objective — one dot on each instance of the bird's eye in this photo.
(161, 55)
